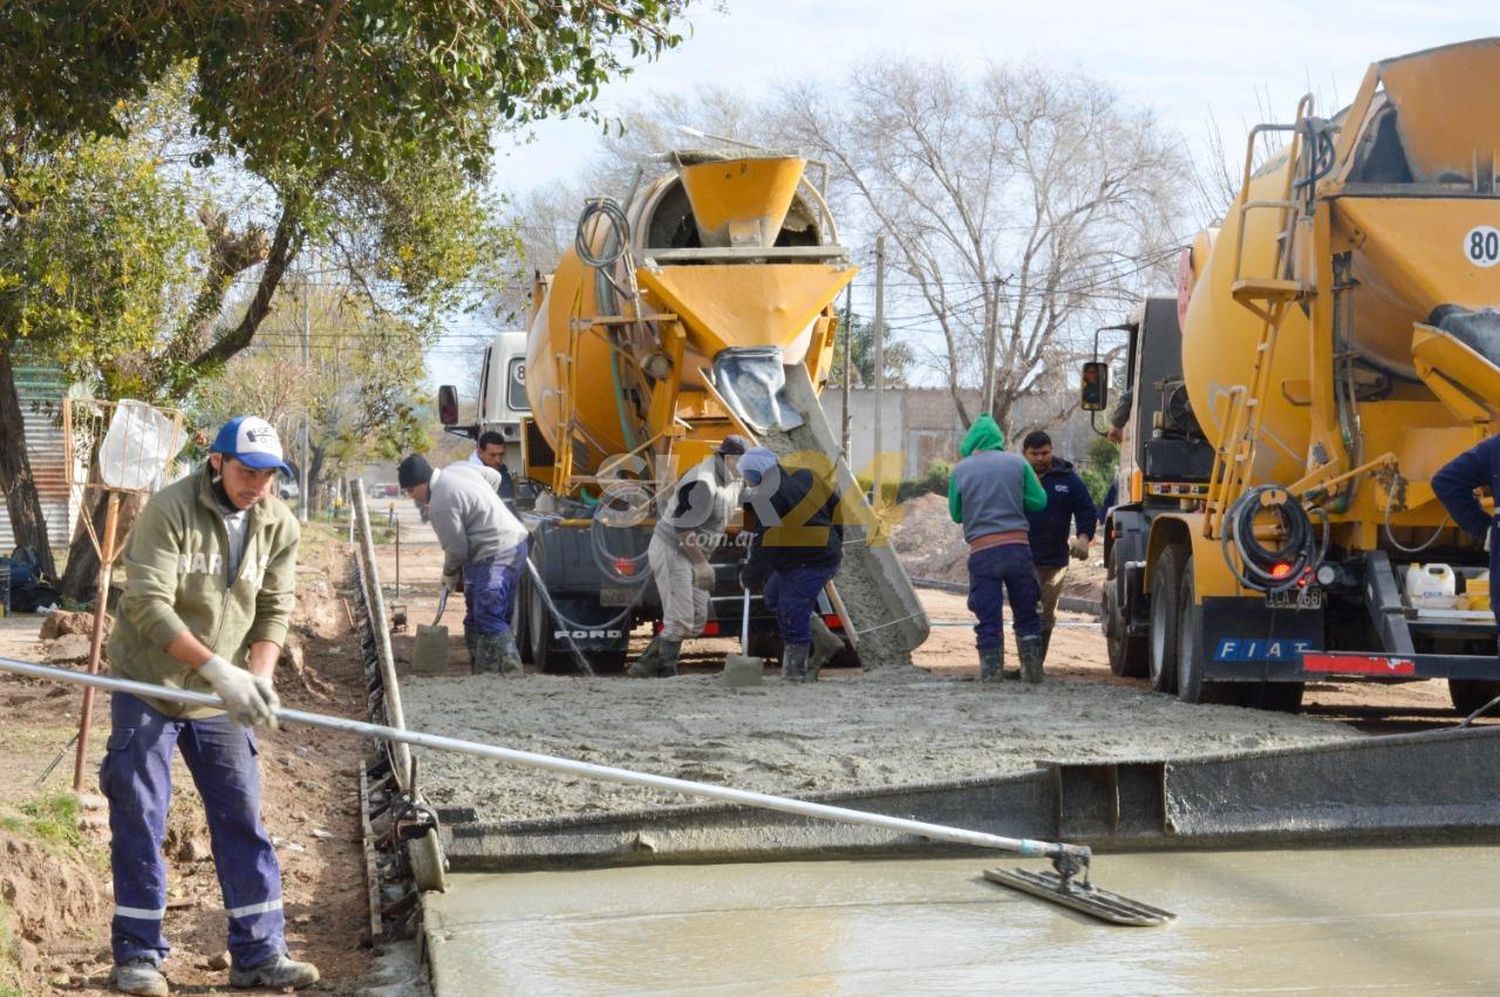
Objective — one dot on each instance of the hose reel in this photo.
(1273, 569)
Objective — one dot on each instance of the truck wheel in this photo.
(1469, 695)
(1129, 657)
(1166, 589)
(764, 644)
(1191, 686)
(521, 620)
(539, 629)
(1280, 697)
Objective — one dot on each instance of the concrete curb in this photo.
(1072, 603)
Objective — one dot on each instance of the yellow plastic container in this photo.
(1477, 593)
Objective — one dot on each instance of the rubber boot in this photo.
(471, 641)
(794, 662)
(278, 973)
(510, 656)
(649, 663)
(486, 655)
(1030, 649)
(825, 644)
(1046, 643)
(990, 660)
(140, 977)
(671, 650)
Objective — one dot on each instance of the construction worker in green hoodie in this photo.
(990, 493)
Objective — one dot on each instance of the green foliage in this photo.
(1099, 471)
(316, 87)
(96, 246)
(53, 819)
(934, 482)
(898, 357)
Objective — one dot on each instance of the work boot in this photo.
(279, 973)
(510, 656)
(1046, 643)
(990, 660)
(486, 658)
(671, 650)
(649, 663)
(824, 646)
(1030, 649)
(794, 662)
(138, 976)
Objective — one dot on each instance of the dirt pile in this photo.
(47, 894)
(930, 544)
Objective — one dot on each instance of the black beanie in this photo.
(734, 444)
(413, 471)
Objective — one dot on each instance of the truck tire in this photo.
(1469, 695)
(1279, 697)
(1129, 657)
(1166, 591)
(1191, 686)
(544, 655)
(764, 644)
(521, 620)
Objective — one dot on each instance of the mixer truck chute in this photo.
(701, 307)
(1330, 348)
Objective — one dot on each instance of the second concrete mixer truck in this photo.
(699, 306)
(1331, 346)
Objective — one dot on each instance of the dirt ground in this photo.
(929, 724)
(56, 880)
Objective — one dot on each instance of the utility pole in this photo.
(848, 372)
(306, 411)
(879, 359)
(991, 338)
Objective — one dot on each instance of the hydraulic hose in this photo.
(1281, 568)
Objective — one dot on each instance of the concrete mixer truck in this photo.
(699, 306)
(1332, 345)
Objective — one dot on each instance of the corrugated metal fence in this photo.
(41, 392)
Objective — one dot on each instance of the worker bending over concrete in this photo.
(990, 493)
(209, 576)
(795, 554)
(1053, 538)
(1454, 485)
(690, 526)
(484, 553)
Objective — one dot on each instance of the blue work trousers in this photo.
(791, 593)
(1008, 568)
(489, 591)
(136, 778)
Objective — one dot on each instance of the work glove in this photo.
(1079, 548)
(454, 582)
(251, 700)
(703, 575)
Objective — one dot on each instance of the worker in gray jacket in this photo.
(484, 553)
(690, 525)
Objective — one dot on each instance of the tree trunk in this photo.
(16, 481)
(314, 478)
(81, 579)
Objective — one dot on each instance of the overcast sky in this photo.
(1188, 62)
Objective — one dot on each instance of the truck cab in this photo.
(502, 402)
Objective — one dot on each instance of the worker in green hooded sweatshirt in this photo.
(990, 493)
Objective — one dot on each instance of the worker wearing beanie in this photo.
(484, 553)
(990, 493)
(690, 526)
(209, 574)
(795, 555)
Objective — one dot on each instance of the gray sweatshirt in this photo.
(470, 520)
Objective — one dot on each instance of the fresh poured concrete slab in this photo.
(1410, 920)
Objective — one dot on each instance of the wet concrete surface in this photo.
(1387, 920)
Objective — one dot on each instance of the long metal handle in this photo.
(745, 624)
(602, 773)
(442, 605)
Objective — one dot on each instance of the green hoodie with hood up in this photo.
(976, 473)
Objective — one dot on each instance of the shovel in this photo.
(429, 652)
(741, 669)
(1063, 887)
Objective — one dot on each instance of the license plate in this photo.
(616, 595)
(1310, 597)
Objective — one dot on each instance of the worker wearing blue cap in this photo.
(210, 570)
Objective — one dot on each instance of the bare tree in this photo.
(1024, 201)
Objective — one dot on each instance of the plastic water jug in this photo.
(1431, 586)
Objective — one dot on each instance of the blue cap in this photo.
(252, 441)
(754, 463)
